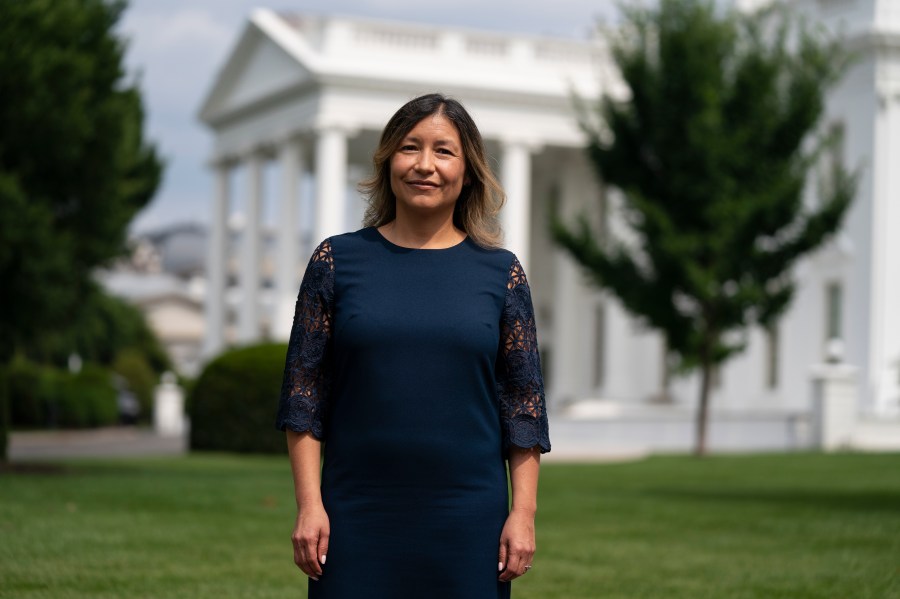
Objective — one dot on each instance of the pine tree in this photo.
(711, 152)
(74, 165)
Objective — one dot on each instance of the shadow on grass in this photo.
(41, 468)
(855, 501)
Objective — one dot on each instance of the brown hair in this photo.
(479, 202)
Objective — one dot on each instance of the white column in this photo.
(216, 260)
(834, 406)
(884, 327)
(568, 331)
(516, 214)
(168, 407)
(331, 182)
(248, 316)
(287, 254)
(574, 324)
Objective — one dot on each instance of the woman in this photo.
(413, 359)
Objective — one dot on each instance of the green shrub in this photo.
(94, 388)
(68, 407)
(4, 414)
(103, 327)
(234, 401)
(132, 364)
(46, 397)
(27, 394)
(187, 385)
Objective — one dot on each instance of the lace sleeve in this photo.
(304, 388)
(520, 386)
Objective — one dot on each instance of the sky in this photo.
(176, 47)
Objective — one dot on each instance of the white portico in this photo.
(296, 112)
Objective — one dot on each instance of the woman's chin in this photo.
(427, 206)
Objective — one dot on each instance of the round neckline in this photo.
(390, 243)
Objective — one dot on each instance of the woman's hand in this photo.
(310, 539)
(516, 545)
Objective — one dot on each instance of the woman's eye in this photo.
(408, 148)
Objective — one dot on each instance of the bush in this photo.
(132, 364)
(95, 394)
(187, 385)
(104, 327)
(46, 397)
(88, 398)
(234, 401)
(27, 394)
(4, 415)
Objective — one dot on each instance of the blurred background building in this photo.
(165, 275)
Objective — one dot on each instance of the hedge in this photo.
(4, 415)
(46, 397)
(132, 364)
(28, 389)
(234, 401)
(87, 399)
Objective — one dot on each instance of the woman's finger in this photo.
(514, 563)
(310, 551)
(300, 555)
(512, 567)
(519, 558)
(304, 557)
(322, 549)
(503, 554)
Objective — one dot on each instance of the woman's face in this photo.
(428, 169)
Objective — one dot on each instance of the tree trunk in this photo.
(4, 415)
(703, 409)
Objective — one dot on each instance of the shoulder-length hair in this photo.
(478, 206)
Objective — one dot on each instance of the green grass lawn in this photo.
(211, 526)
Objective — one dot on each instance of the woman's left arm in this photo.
(523, 418)
(517, 543)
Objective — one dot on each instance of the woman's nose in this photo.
(425, 161)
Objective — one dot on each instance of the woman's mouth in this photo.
(419, 184)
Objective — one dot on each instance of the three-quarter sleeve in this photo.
(303, 404)
(520, 385)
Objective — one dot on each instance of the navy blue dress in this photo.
(418, 368)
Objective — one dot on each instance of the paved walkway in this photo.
(568, 445)
(105, 442)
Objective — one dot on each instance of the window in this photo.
(772, 357)
(715, 377)
(834, 301)
(832, 159)
(599, 345)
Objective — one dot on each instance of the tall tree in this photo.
(711, 151)
(74, 165)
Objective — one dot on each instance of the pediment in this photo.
(257, 69)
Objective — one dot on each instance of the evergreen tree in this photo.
(711, 151)
(74, 165)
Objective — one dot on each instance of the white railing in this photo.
(368, 37)
(399, 39)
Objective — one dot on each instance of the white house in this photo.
(302, 100)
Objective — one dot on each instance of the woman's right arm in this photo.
(311, 531)
(303, 403)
